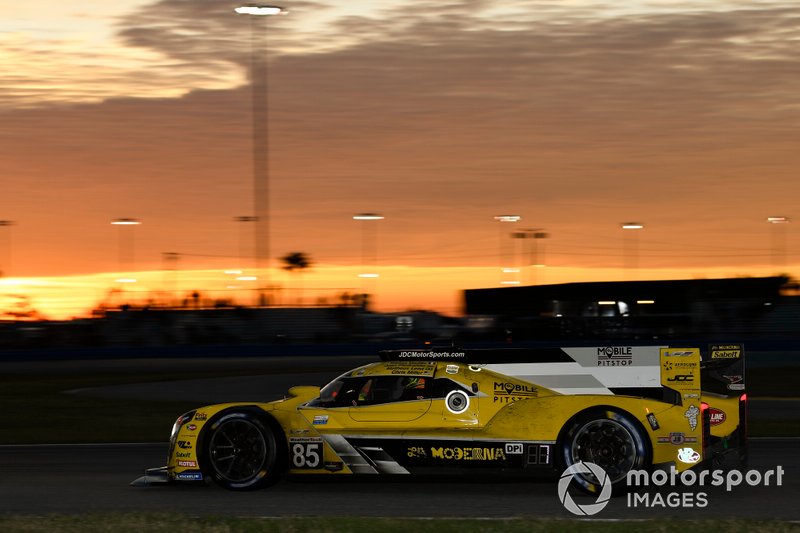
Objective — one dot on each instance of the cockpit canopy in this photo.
(355, 389)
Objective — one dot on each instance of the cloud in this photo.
(440, 117)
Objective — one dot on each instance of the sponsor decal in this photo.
(651, 419)
(671, 363)
(505, 392)
(451, 369)
(191, 427)
(304, 439)
(333, 466)
(725, 351)
(469, 454)
(201, 416)
(410, 368)
(183, 455)
(189, 476)
(185, 444)
(683, 378)
(691, 415)
(188, 464)
(677, 438)
(677, 353)
(417, 452)
(614, 356)
(320, 420)
(587, 509)
(688, 456)
(716, 416)
(514, 448)
(414, 354)
(423, 354)
(735, 382)
(691, 396)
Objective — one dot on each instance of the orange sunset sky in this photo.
(577, 115)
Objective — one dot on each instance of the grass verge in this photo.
(155, 523)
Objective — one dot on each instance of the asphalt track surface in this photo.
(77, 479)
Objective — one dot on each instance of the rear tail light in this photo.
(742, 421)
(706, 417)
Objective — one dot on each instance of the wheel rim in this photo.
(608, 444)
(238, 450)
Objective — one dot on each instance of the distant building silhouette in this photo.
(701, 308)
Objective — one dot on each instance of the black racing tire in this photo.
(609, 438)
(240, 452)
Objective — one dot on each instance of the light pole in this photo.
(170, 270)
(126, 246)
(369, 248)
(507, 268)
(778, 240)
(5, 246)
(241, 271)
(533, 235)
(243, 220)
(630, 247)
(260, 101)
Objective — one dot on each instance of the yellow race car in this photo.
(432, 411)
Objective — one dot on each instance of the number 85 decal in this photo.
(306, 454)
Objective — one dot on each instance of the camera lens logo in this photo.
(566, 498)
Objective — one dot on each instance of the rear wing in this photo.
(722, 370)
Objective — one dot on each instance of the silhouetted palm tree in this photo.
(296, 262)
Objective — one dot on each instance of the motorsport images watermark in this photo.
(636, 479)
(566, 498)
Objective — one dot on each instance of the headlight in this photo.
(180, 422)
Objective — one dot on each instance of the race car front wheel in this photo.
(610, 439)
(240, 452)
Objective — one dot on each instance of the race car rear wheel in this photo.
(610, 439)
(240, 452)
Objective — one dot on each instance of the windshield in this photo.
(339, 392)
(330, 391)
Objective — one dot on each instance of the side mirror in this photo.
(305, 391)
